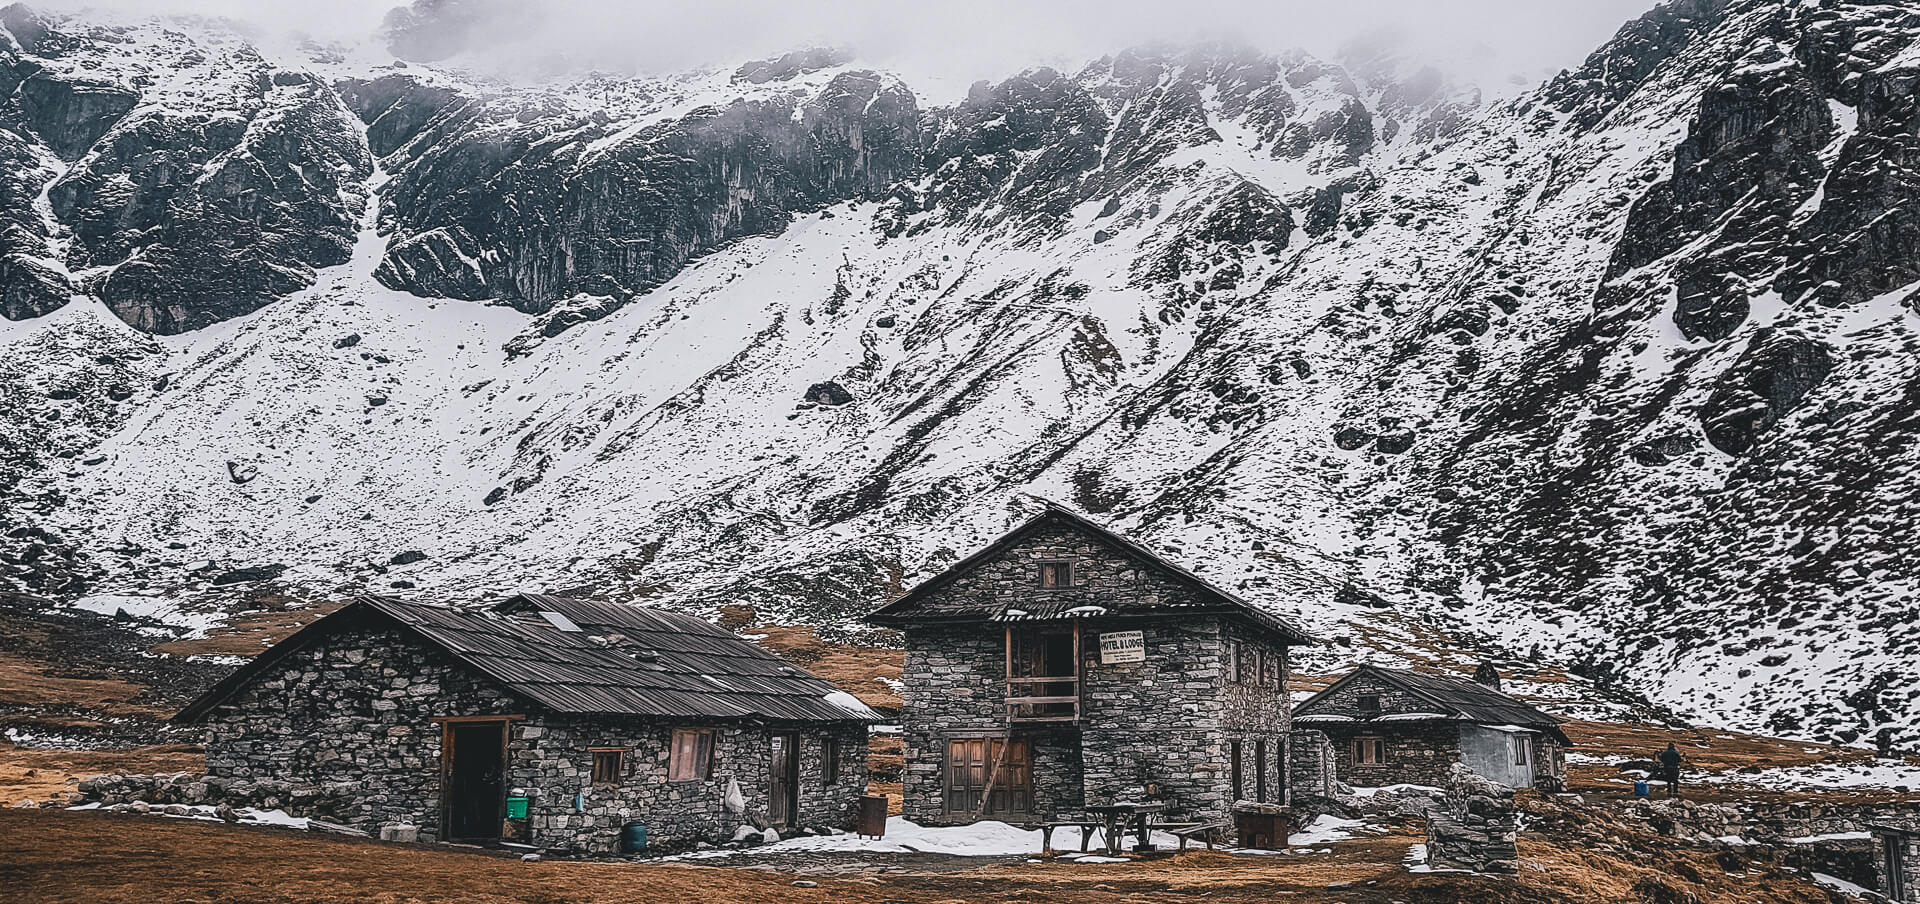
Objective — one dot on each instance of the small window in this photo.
(1521, 743)
(1239, 784)
(1369, 704)
(1056, 575)
(1369, 752)
(692, 756)
(829, 761)
(609, 765)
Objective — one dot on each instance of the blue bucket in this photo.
(633, 838)
(1640, 789)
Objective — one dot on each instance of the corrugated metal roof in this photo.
(1463, 699)
(624, 660)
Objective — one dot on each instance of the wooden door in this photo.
(783, 766)
(1896, 867)
(473, 770)
(970, 763)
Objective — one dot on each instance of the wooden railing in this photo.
(1049, 705)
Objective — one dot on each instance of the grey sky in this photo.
(956, 42)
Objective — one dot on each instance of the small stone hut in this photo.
(1063, 667)
(1391, 726)
(1896, 858)
(599, 715)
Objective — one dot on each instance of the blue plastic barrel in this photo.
(633, 838)
(1640, 789)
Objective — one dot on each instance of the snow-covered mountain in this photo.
(1617, 374)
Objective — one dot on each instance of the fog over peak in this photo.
(941, 47)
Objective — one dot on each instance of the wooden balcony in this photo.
(1054, 699)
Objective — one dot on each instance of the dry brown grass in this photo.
(856, 670)
(25, 682)
(31, 773)
(96, 858)
(247, 635)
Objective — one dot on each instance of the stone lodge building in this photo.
(599, 714)
(1390, 726)
(1063, 667)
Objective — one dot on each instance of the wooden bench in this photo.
(1206, 831)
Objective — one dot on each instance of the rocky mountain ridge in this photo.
(1612, 375)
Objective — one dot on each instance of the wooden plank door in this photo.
(783, 767)
(969, 763)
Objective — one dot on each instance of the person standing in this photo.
(1670, 769)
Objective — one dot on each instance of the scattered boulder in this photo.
(408, 558)
(248, 574)
(828, 393)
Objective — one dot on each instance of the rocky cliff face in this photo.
(1616, 374)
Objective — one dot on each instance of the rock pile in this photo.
(1477, 829)
(143, 792)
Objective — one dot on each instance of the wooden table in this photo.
(1120, 818)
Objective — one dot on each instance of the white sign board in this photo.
(1122, 646)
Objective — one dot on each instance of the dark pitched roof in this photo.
(918, 606)
(1457, 699)
(624, 660)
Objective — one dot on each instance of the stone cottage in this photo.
(1896, 858)
(1391, 726)
(597, 715)
(1064, 666)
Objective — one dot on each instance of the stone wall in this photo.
(1417, 753)
(1164, 727)
(553, 763)
(344, 725)
(347, 718)
(1312, 782)
(1478, 829)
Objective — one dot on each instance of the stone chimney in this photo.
(1488, 675)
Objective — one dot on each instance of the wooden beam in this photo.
(499, 718)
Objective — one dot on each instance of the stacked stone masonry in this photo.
(1478, 829)
(1165, 728)
(347, 726)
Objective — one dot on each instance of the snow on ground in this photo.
(161, 609)
(981, 839)
(1325, 830)
(246, 815)
(1891, 775)
(998, 839)
(1838, 884)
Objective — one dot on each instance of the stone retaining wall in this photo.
(1478, 829)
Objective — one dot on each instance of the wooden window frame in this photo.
(829, 761)
(1239, 775)
(617, 772)
(1360, 745)
(1362, 702)
(1522, 750)
(1260, 769)
(701, 769)
(1044, 567)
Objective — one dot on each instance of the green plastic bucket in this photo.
(516, 808)
(633, 838)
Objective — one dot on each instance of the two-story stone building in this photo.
(1064, 666)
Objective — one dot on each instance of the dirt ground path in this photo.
(57, 857)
